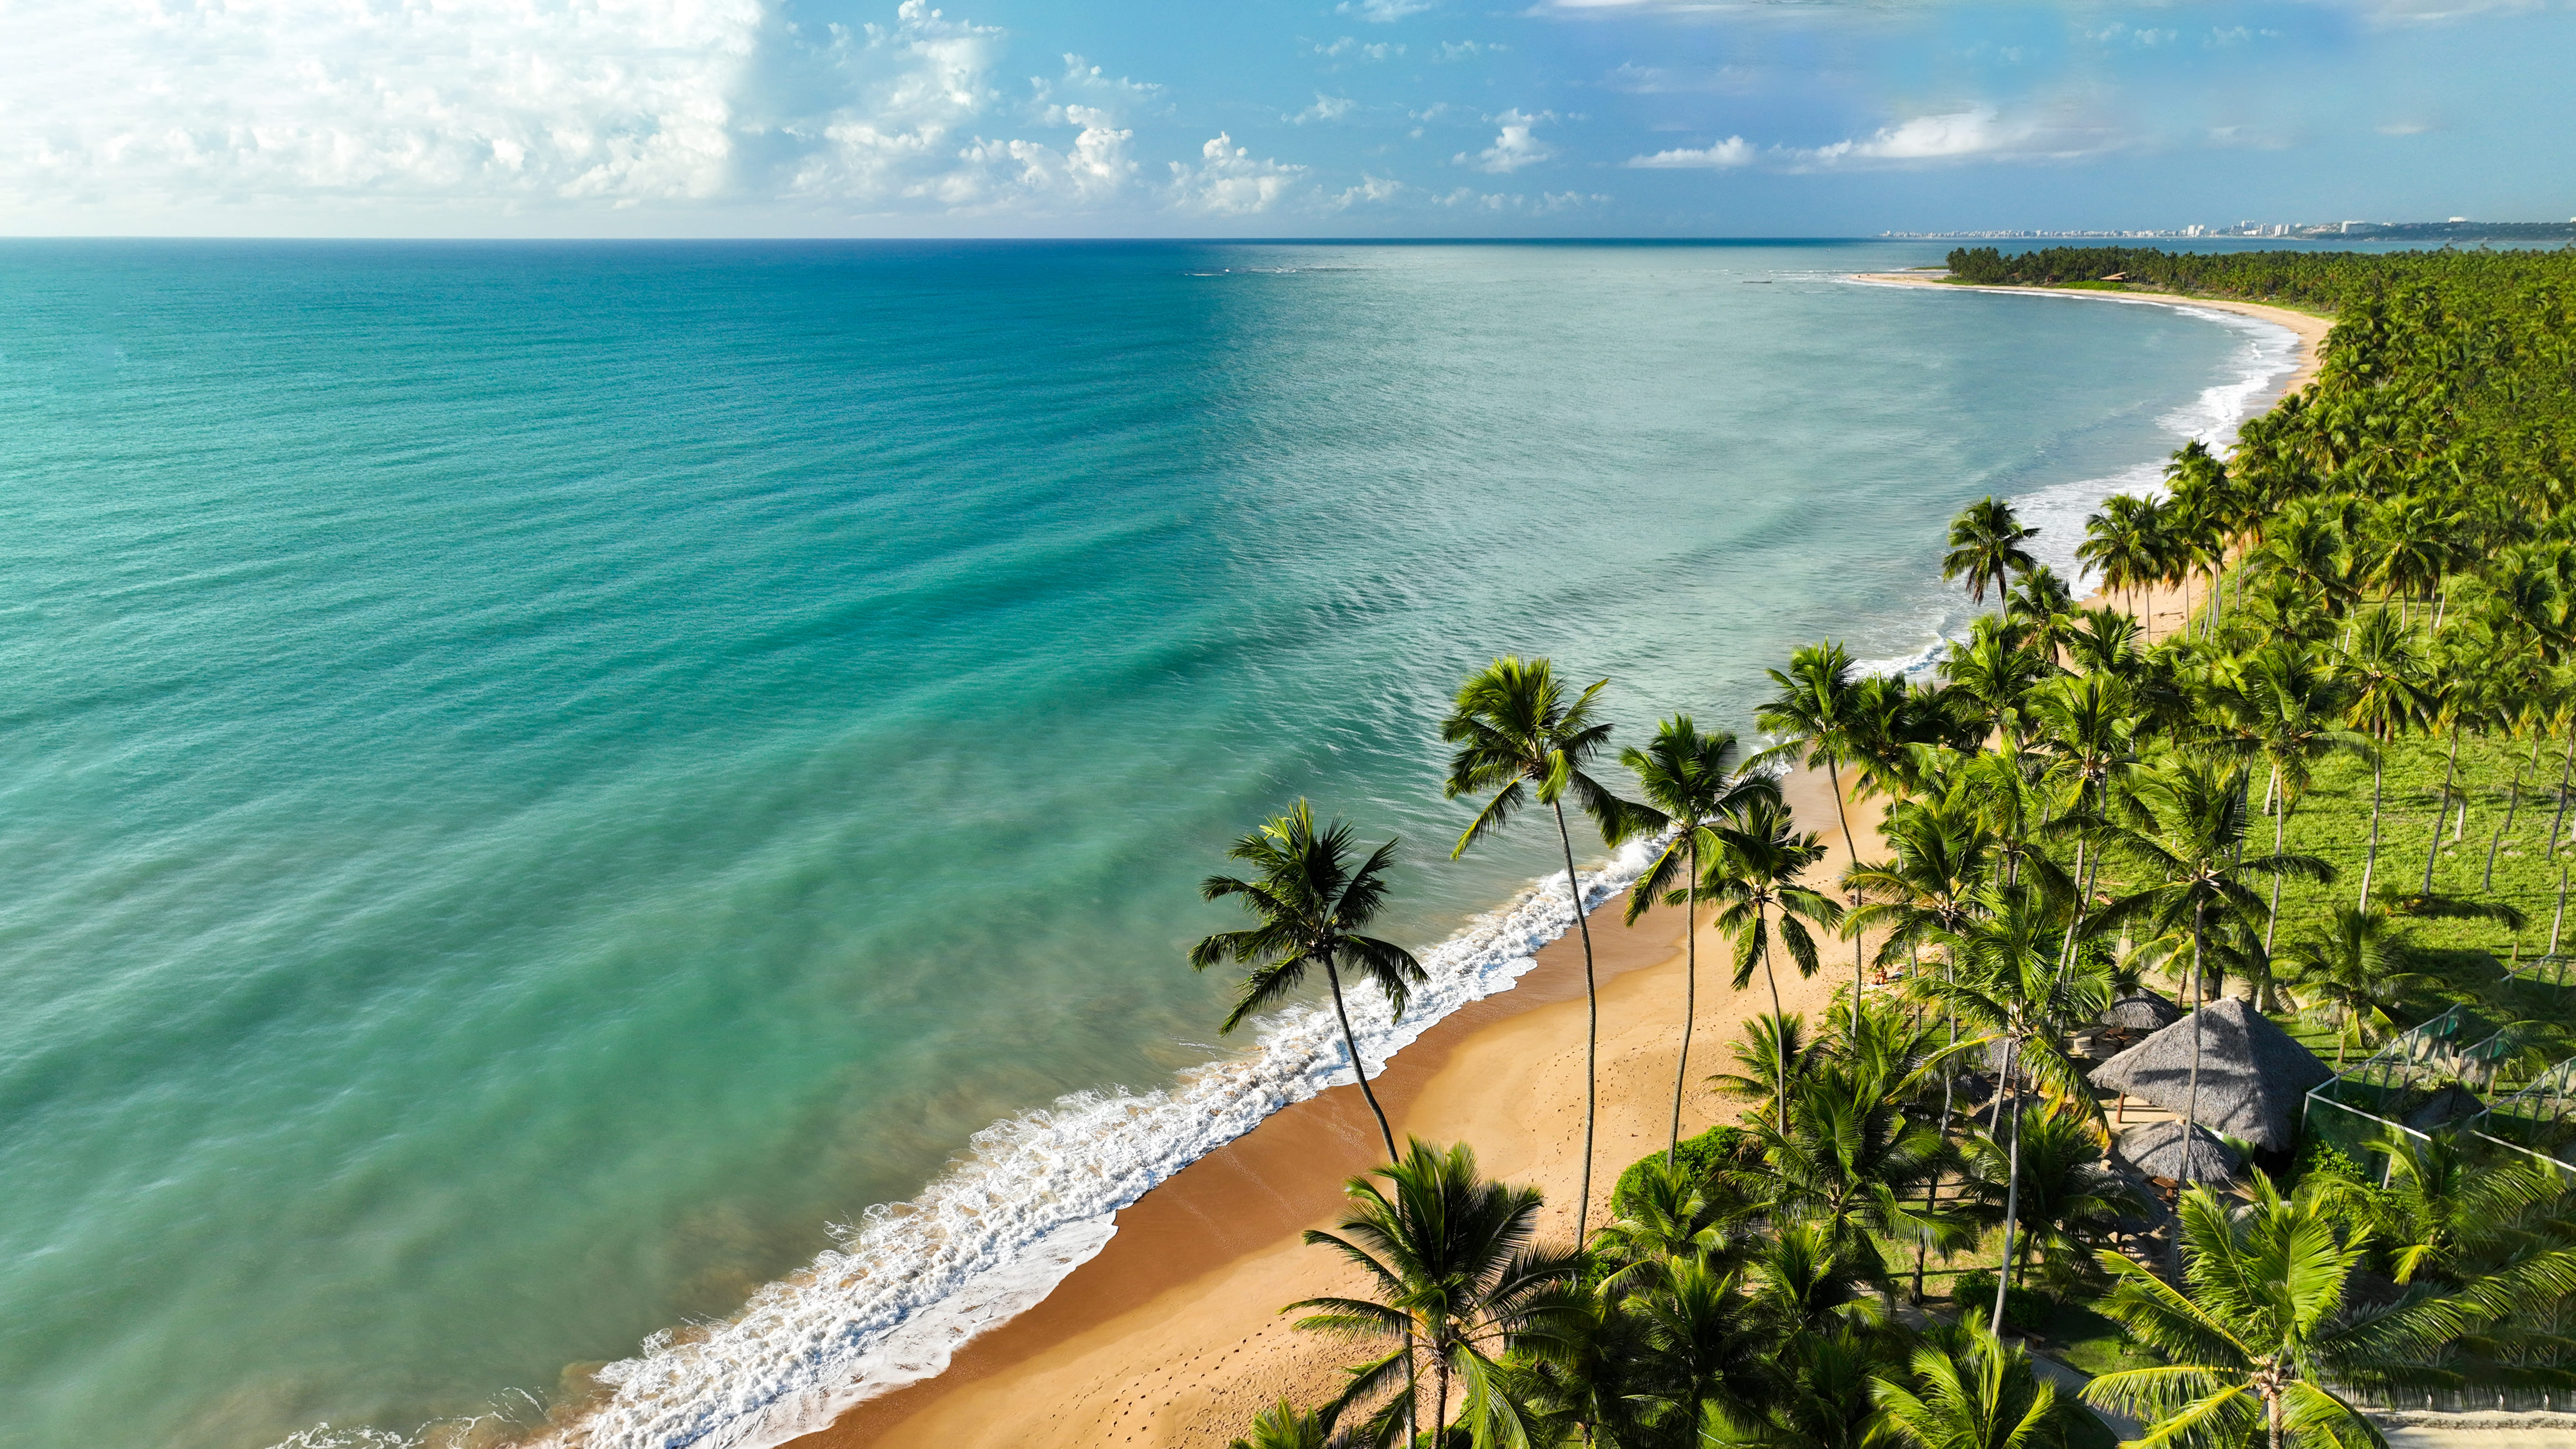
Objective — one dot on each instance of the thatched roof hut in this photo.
(2157, 1150)
(2252, 1076)
(2143, 1011)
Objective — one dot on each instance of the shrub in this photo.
(2024, 1308)
(1716, 1150)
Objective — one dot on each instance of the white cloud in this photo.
(1978, 133)
(318, 114)
(1452, 50)
(1347, 45)
(1372, 189)
(1733, 151)
(1228, 181)
(1383, 11)
(1650, 80)
(1547, 203)
(1325, 108)
(1515, 146)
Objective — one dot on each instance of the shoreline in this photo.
(1170, 1334)
(2310, 328)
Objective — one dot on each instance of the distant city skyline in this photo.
(1329, 117)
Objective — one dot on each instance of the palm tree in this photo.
(2103, 641)
(1756, 873)
(1672, 1215)
(1774, 1052)
(1816, 713)
(2380, 670)
(1820, 1397)
(2288, 704)
(2196, 851)
(2069, 1193)
(2011, 982)
(1690, 782)
(1458, 1279)
(1986, 547)
(1313, 905)
(1846, 1159)
(1518, 737)
(2361, 965)
(2036, 606)
(1976, 1392)
(1284, 1426)
(2255, 1333)
(2120, 545)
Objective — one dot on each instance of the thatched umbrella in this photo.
(2144, 1011)
(2252, 1076)
(2156, 1149)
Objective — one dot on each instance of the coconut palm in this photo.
(2382, 675)
(2011, 983)
(1972, 1391)
(1986, 547)
(2103, 641)
(2362, 966)
(1671, 1214)
(1821, 1395)
(1817, 715)
(2120, 545)
(1941, 851)
(1690, 782)
(2036, 609)
(1285, 1426)
(1760, 862)
(2256, 1332)
(1458, 1279)
(1313, 905)
(2070, 1194)
(1995, 671)
(1518, 738)
(2194, 852)
(1772, 1053)
(2287, 705)
(1846, 1158)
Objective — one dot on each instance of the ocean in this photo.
(545, 788)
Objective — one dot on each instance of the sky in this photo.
(1344, 118)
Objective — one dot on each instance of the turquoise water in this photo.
(535, 780)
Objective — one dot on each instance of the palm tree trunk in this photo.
(2512, 807)
(1779, 1023)
(1440, 1403)
(1851, 857)
(2280, 831)
(2012, 1199)
(1359, 1068)
(1591, 1027)
(2370, 862)
(2272, 1413)
(1690, 997)
(2191, 1093)
(2442, 806)
(2565, 766)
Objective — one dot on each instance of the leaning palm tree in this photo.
(1756, 873)
(1518, 737)
(1458, 1280)
(1690, 782)
(2256, 1331)
(1313, 905)
(1972, 1391)
(1986, 547)
(1817, 715)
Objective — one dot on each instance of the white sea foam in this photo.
(1030, 1201)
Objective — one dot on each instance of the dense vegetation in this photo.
(2341, 791)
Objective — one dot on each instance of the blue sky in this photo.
(1327, 117)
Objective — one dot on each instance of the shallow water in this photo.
(538, 779)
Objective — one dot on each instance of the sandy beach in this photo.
(1172, 1335)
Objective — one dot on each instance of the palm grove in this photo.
(2272, 801)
